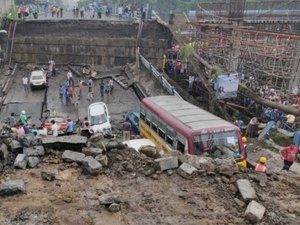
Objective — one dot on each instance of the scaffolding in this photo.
(269, 57)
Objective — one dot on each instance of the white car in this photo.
(38, 79)
(99, 117)
(138, 143)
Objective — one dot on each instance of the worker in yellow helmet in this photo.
(244, 141)
(261, 166)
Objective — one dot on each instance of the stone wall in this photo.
(87, 42)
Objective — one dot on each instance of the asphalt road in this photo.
(17, 99)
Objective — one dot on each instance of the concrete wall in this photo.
(87, 42)
(5, 5)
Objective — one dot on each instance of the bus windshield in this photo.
(219, 145)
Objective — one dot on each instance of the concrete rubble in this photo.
(254, 212)
(73, 142)
(12, 187)
(34, 151)
(167, 163)
(16, 147)
(33, 162)
(186, 170)
(21, 161)
(71, 156)
(247, 191)
(91, 165)
(102, 159)
(92, 151)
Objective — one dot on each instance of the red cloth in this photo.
(290, 153)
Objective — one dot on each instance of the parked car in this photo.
(38, 79)
(99, 117)
(133, 118)
(60, 121)
(138, 143)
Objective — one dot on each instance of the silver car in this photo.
(38, 79)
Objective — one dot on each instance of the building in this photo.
(5, 5)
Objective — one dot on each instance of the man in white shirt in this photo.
(69, 75)
(54, 128)
(25, 84)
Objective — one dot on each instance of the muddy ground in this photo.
(147, 196)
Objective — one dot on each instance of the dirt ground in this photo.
(147, 196)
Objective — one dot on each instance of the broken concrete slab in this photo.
(150, 151)
(166, 163)
(108, 199)
(16, 147)
(226, 167)
(73, 142)
(3, 154)
(21, 161)
(70, 156)
(96, 137)
(48, 176)
(247, 191)
(114, 207)
(201, 163)
(91, 165)
(33, 161)
(12, 187)
(34, 151)
(186, 170)
(254, 211)
(111, 144)
(92, 151)
(102, 159)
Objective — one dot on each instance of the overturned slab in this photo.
(72, 142)
(12, 187)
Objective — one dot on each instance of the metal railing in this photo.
(159, 76)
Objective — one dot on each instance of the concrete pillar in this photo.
(234, 51)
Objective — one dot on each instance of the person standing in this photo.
(289, 154)
(82, 12)
(61, 92)
(90, 91)
(23, 117)
(101, 88)
(252, 127)
(126, 127)
(80, 87)
(69, 75)
(25, 84)
(111, 85)
(12, 120)
(61, 12)
(54, 128)
(70, 127)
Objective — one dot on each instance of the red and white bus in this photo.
(174, 124)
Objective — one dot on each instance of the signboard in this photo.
(226, 86)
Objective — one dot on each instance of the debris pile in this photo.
(146, 182)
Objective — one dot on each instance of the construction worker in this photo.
(261, 166)
(244, 141)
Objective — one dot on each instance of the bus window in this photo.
(161, 133)
(169, 140)
(216, 144)
(143, 116)
(154, 127)
(148, 122)
(180, 146)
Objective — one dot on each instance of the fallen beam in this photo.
(72, 142)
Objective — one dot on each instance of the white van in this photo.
(99, 117)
